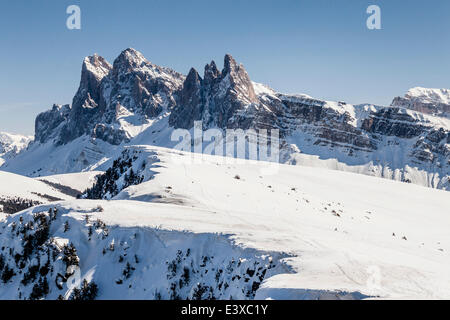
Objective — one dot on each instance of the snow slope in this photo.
(13, 185)
(332, 252)
(301, 233)
(79, 181)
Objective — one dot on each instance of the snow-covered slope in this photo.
(11, 145)
(78, 181)
(15, 185)
(216, 228)
(19, 192)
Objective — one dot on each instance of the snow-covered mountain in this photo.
(202, 230)
(111, 210)
(11, 145)
(134, 101)
(431, 101)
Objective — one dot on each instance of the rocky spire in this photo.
(216, 98)
(93, 70)
(85, 102)
(229, 64)
(239, 79)
(128, 60)
(211, 73)
(190, 104)
(192, 82)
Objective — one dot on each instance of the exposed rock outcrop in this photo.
(131, 87)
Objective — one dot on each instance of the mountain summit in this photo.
(107, 93)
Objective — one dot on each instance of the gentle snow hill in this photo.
(13, 185)
(339, 226)
(78, 181)
(329, 234)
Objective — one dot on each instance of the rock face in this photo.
(46, 123)
(134, 97)
(85, 111)
(131, 87)
(431, 101)
(216, 99)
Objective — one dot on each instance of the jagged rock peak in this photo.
(97, 66)
(93, 70)
(229, 64)
(211, 72)
(130, 58)
(239, 79)
(192, 77)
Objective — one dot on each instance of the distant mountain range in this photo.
(11, 145)
(134, 101)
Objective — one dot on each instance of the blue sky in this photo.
(318, 47)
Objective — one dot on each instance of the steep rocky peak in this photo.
(129, 59)
(239, 80)
(95, 66)
(211, 72)
(229, 64)
(93, 70)
(193, 79)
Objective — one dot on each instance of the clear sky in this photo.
(318, 47)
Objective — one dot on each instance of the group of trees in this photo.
(12, 205)
(36, 262)
(88, 291)
(107, 184)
